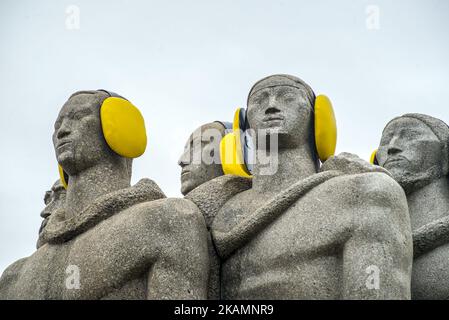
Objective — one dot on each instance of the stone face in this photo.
(110, 239)
(304, 234)
(414, 148)
(202, 145)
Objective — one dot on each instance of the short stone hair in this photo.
(283, 80)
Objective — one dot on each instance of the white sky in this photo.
(185, 63)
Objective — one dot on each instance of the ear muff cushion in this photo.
(237, 129)
(123, 127)
(229, 157)
(62, 176)
(373, 158)
(325, 128)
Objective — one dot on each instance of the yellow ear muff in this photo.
(373, 158)
(123, 127)
(325, 128)
(63, 176)
(231, 150)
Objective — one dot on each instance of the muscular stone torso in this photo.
(297, 256)
(118, 257)
(108, 265)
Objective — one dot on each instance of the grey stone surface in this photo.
(114, 240)
(209, 197)
(305, 234)
(414, 148)
(205, 185)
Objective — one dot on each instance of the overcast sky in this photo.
(185, 63)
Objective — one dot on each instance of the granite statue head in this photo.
(200, 159)
(53, 200)
(414, 149)
(283, 104)
(78, 138)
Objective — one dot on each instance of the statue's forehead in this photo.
(80, 102)
(408, 124)
(57, 188)
(279, 90)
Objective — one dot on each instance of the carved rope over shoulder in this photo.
(212, 195)
(60, 230)
(430, 236)
(226, 242)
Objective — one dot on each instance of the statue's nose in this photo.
(272, 110)
(272, 105)
(63, 131)
(184, 159)
(393, 147)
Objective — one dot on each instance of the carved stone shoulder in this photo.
(212, 195)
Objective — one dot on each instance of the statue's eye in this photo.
(79, 115)
(57, 124)
(47, 197)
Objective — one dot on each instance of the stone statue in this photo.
(54, 199)
(204, 183)
(341, 231)
(414, 149)
(110, 239)
(202, 141)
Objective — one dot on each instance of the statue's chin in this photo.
(411, 181)
(67, 161)
(186, 188)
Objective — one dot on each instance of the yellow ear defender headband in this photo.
(123, 128)
(373, 158)
(235, 147)
(325, 127)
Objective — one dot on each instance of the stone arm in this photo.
(181, 269)
(9, 277)
(377, 257)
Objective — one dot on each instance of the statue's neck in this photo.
(92, 183)
(429, 203)
(293, 165)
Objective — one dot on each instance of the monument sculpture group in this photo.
(269, 212)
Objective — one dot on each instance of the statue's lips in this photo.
(184, 172)
(393, 161)
(62, 144)
(272, 118)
